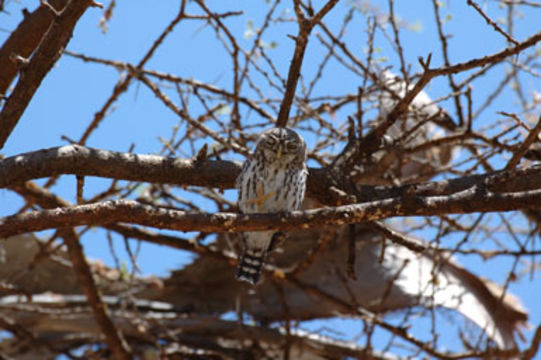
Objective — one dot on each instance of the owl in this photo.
(272, 180)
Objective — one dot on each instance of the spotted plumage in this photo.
(272, 180)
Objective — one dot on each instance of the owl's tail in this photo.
(250, 265)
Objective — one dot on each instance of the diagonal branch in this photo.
(33, 73)
(113, 338)
(491, 23)
(371, 142)
(532, 136)
(305, 27)
(24, 40)
(123, 84)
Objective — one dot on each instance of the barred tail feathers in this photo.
(249, 268)
(256, 245)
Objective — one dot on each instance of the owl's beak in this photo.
(279, 153)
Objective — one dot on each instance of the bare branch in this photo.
(491, 23)
(305, 27)
(532, 136)
(113, 338)
(48, 52)
(475, 199)
(24, 40)
(122, 86)
(83, 161)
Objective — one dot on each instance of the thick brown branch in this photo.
(83, 161)
(24, 40)
(79, 160)
(475, 199)
(47, 53)
(113, 338)
(36, 194)
(293, 75)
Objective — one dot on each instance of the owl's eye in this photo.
(270, 141)
(291, 146)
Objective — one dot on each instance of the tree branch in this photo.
(79, 160)
(113, 337)
(46, 55)
(84, 161)
(532, 136)
(123, 84)
(371, 142)
(24, 40)
(475, 199)
(305, 27)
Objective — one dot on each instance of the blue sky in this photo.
(73, 91)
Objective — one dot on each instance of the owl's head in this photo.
(281, 144)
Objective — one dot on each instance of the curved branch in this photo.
(84, 161)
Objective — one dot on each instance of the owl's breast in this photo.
(271, 189)
(275, 188)
(282, 189)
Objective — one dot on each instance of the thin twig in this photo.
(519, 153)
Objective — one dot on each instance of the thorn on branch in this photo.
(425, 64)
(46, 4)
(202, 154)
(310, 10)
(21, 62)
(68, 139)
(96, 4)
